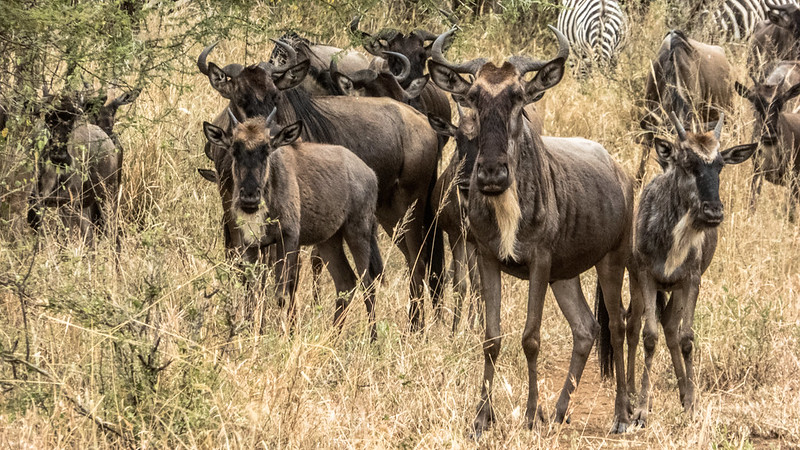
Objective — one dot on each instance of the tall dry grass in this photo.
(146, 348)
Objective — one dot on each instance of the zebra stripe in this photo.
(737, 18)
(596, 30)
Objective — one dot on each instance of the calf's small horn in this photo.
(678, 125)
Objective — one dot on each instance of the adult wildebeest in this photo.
(676, 235)
(393, 139)
(778, 133)
(451, 196)
(688, 77)
(78, 172)
(546, 212)
(775, 39)
(371, 83)
(416, 46)
(290, 193)
(318, 81)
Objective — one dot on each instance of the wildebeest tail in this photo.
(605, 352)
(375, 259)
(434, 248)
(679, 49)
(661, 303)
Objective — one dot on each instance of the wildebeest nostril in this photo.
(713, 211)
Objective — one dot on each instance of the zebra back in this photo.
(596, 29)
(736, 19)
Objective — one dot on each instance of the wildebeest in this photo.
(451, 196)
(775, 39)
(546, 213)
(392, 138)
(778, 133)
(688, 77)
(416, 46)
(676, 235)
(371, 83)
(78, 172)
(290, 193)
(318, 81)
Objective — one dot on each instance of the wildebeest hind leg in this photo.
(359, 241)
(332, 253)
(610, 272)
(572, 303)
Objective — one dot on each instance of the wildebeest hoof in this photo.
(484, 420)
(640, 418)
(619, 427)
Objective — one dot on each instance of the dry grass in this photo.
(137, 349)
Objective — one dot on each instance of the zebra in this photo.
(596, 30)
(736, 19)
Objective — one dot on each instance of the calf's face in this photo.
(249, 146)
(696, 162)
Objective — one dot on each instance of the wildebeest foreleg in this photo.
(755, 183)
(633, 328)
(539, 277)
(572, 303)
(490, 294)
(650, 338)
(286, 273)
(678, 319)
(460, 273)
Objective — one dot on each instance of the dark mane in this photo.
(318, 127)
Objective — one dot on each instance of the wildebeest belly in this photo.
(593, 199)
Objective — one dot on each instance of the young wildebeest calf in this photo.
(676, 235)
(291, 193)
(779, 134)
(78, 172)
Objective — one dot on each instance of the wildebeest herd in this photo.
(318, 146)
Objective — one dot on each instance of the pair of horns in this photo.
(234, 69)
(682, 131)
(524, 64)
(235, 121)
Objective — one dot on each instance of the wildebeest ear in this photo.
(415, 88)
(287, 135)
(126, 98)
(441, 126)
(739, 153)
(779, 18)
(216, 135)
(219, 80)
(343, 83)
(664, 150)
(447, 78)
(791, 93)
(292, 76)
(547, 77)
(210, 175)
(742, 90)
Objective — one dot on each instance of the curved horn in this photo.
(291, 55)
(201, 60)
(460, 113)
(271, 117)
(526, 64)
(718, 128)
(234, 121)
(466, 67)
(425, 35)
(678, 126)
(354, 27)
(406, 66)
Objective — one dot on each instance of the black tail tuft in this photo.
(434, 249)
(661, 303)
(605, 352)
